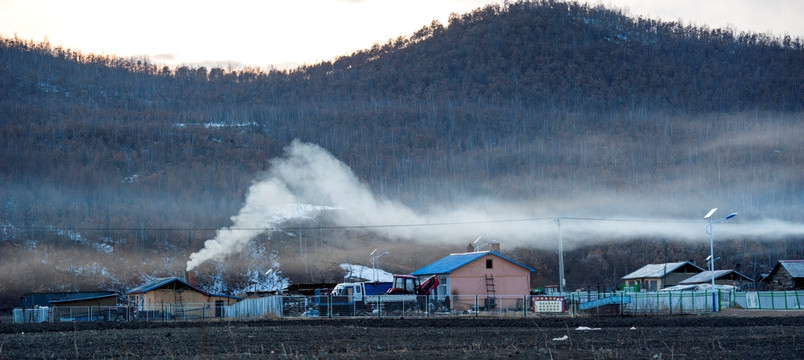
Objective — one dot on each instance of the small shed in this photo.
(96, 300)
(484, 275)
(653, 277)
(45, 299)
(88, 308)
(786, 275)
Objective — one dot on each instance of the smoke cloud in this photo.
(308, 174)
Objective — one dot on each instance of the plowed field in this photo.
(728, 335)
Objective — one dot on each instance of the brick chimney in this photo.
(189, 277)
(495, 246)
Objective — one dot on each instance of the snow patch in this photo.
(217, 125)
(365, 273)
(77, 237)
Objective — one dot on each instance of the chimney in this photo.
(495, 246)
(189, 277)
(470, 248)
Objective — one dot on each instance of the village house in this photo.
(786, 275)
(173, 296)
(487, 277)
(653, 277)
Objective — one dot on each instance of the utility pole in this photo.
(561, 281)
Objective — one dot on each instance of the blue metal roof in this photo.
(451, 262)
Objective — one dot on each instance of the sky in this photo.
(285, 34)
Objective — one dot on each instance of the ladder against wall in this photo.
(177, 297)
(491, 300)
(178, 304)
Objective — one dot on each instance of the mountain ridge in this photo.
(558, 108)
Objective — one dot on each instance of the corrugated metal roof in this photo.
(794, 267)
(159, 282)
(657, 270)
(43, 299)
(56, 301)
(706, 277)
(451, 262)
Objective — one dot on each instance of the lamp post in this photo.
(478, 247)
(561, 281)
(375, 258)
(712, 250)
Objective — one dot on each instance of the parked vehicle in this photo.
(364, 298)
(408, 293)
(353, 298)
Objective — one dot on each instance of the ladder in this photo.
(491, 300)
(177, 297)
(178, 307)
(490, 285)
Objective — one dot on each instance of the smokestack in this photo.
(495, 246)
(189, 277)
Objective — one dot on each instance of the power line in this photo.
(334, 227)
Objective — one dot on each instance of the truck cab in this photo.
(353, 292)
(408, 284)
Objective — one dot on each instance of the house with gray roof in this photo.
(173, 296)
(786, 275)
(653, 277)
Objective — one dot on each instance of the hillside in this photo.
(531, 110)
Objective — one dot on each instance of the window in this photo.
(488, 264)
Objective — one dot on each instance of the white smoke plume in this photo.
(308, 174)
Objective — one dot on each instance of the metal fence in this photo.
(770, 300)
(567, 304)
(35, 315)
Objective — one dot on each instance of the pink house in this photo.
(483, 278)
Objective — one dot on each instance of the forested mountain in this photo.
(112, 169)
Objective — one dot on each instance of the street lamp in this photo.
(478, 247)
(561, 281)
(711, 258)
(375, 258)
